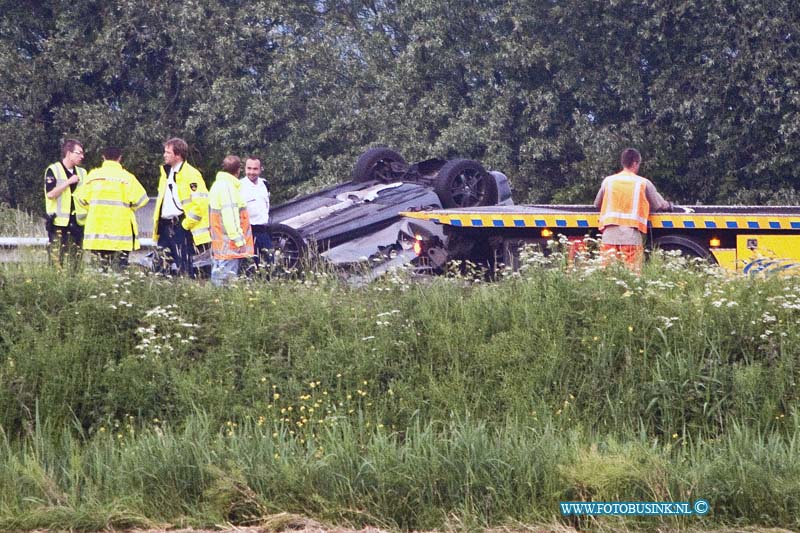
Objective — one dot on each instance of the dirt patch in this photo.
(286, 522)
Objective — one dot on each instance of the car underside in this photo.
(360, 220)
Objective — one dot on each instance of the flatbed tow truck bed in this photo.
(586, 216)
(746, 238)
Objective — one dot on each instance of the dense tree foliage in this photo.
(548, 91)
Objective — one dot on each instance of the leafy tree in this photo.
(549, 92)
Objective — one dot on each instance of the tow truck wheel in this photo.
(379, 163)
(289, 247)
(465, 183)
(686, 246)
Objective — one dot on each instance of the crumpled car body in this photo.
(360, 220)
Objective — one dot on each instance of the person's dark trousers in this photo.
(200, 253)
(176, 243)
(263, 245)
(65, 245)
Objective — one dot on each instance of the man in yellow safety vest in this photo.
(231, 234)
(61, 180)
(108, 201)
(625, 200)
(180, 224)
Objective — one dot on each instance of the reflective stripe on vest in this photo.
(201, 235)
(107, 237)
(193, 202)
(222, 246)
(110, 196)
(117, 203)
(625, 202)
(61, 205)
(228, 219)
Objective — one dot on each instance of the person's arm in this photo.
(598, 200)
(230, 220)
(197, 206)
(656, 201)
(57, 188)
(137, 196)
(81, 201)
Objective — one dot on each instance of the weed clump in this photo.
(397, 403)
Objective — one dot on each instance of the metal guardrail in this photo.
(144, 219)
(16, 242)
(20, 242)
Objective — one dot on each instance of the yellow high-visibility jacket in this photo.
(231, 234)
(62, 205)
(108, 200)
(625, 201)
(193, 195)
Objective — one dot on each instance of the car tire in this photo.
(465, 183)
(288, 245)
(376, 164)
(686, 246)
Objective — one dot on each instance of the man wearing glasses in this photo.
(61, 180)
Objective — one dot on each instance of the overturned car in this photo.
(360, 220)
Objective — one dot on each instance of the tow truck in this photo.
(748, 239)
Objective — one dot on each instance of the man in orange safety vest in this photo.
(625, 200)
(231, 234)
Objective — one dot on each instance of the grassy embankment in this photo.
(135, 400)
(16, 223)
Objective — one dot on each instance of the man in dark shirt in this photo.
(61, 180)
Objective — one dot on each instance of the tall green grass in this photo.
(426, 477)
(16, 223)
(134, 399)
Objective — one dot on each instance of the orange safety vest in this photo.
(625, 202)
(231, 234)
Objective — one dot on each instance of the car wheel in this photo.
(465, 183)
(686, 246)
(378, 163)
(287, 244)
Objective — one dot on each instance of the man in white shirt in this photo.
(255, 192)
(180, 219)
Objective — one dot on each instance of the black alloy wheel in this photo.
(288, 245)
(465, 183)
